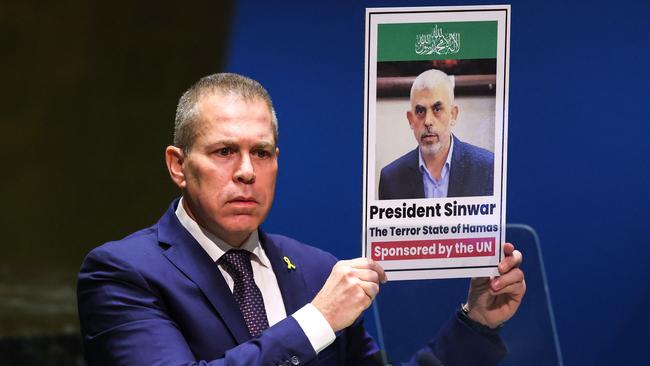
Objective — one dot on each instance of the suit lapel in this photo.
(414, 181)
(188, 256)
(456, 178)
(291, 281)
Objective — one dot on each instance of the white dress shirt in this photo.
(312, 322)
(436, 188)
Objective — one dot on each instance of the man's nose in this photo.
(245, 172)
(429, 120)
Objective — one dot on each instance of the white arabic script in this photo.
(437, 42)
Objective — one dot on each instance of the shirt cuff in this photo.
(315, 326)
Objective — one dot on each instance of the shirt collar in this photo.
(215, 246)
(445, 168)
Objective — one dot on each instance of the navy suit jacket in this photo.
(157, 298)
(472, 174)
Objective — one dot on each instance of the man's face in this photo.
(231, 168)
(431, 118)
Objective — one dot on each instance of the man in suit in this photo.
(206, 286)
(441, 165)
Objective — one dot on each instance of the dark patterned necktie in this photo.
(247, 295)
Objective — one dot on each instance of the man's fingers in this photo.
(370, 288)
(349, 290)
(508, 248)
(518, 288)
(479, 281)
(367, 263)
(366, 275)
(513, 277)
(513, 260)
(358, 262)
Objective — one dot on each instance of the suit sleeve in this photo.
(124, 321)
(457, 343)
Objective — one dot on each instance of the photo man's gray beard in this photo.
(430, 148)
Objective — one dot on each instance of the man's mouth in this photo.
(429, 137)
(243, 200)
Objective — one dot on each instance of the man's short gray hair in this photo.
(187, 111)
(431, 79)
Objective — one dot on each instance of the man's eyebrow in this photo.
(437, 104)
(264, 145)
(224, 142)
(233, 143)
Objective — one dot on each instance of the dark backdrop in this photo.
(88, 99)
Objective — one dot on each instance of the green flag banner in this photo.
(437, 41)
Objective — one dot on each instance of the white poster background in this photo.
(471, 266)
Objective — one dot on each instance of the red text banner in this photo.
(431, 249)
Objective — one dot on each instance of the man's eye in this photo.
(262, 153)
(224, 151)
(420, 111)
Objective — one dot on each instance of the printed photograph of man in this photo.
(442, 165)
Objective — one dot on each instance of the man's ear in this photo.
(174, 157)
(454, 114)
(409, 117)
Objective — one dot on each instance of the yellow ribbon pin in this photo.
(289, 264)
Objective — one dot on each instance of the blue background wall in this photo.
(578, 155)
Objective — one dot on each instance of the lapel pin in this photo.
(289, 264)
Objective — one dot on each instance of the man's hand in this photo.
(492, 301)
(348, 291)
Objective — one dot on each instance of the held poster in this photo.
(435, 140)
